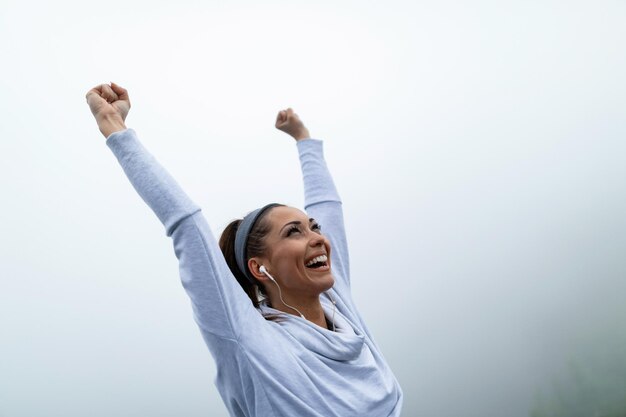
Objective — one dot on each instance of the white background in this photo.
(478, 147)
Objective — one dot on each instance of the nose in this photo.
(317, 240)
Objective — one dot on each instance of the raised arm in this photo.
(321, 200)
(220, 306)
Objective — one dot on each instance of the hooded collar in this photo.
(344, 344)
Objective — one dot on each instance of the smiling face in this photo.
(298, 255)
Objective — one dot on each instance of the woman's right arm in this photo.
(220, 306)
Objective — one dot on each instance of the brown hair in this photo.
(255, 247)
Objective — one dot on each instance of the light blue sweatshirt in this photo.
(291, 367)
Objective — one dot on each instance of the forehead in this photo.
(279, 216)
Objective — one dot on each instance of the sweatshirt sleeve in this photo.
(220, 305)
(322, 202)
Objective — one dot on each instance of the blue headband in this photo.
(241, 239)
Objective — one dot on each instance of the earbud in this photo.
(264, 271)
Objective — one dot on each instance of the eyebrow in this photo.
(311, 220)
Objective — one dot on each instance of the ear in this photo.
(253, 265)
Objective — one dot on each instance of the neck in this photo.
(310, 307)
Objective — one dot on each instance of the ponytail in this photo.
(227, 245)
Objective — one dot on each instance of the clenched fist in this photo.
(109, 104)
(290, 123)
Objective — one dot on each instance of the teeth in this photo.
(321, 258)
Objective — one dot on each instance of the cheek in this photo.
(288, 255)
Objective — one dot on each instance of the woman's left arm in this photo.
(321, 199)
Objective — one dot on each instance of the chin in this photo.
(328, 281)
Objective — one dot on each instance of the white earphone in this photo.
(264, 271)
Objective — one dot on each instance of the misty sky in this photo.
(478, 147)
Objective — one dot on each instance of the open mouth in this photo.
(318, 262)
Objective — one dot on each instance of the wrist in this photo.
(111, 124)
(304, 134)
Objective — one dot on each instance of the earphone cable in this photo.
(280, 294)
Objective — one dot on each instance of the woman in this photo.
(274, 304)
